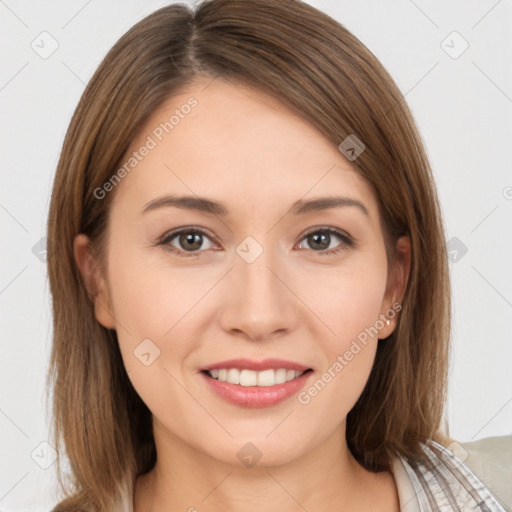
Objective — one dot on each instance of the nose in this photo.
(257, 298)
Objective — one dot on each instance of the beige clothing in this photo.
(484, 467)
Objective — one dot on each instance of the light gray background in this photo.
(462, 105)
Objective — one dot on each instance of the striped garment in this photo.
(441, 483)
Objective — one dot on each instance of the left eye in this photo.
(320, 240)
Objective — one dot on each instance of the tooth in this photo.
(266, 378)
(280, 376)
(248, 378)
(233, 376)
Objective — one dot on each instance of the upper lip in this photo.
(265, 364)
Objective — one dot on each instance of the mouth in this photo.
(245, 377)
(255, 384)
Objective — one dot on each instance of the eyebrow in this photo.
(205, 205)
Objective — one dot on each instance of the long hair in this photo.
(315, 66)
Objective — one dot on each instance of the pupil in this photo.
(189, 239)
(322, 240)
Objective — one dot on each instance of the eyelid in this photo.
(329, 229)
(177, 231)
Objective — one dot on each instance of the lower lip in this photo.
(256, 396)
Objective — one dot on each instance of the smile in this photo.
(255, 389)
(244, 377)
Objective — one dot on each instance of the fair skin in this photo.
(241, 148)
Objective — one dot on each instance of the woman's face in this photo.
(244, 267)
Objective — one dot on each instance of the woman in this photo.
(249, 276)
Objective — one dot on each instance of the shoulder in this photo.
(444, 478)
(491, 460)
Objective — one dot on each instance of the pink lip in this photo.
(258, 366)
(256, 396)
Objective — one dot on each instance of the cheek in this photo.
(157, 309)
(150, 305)
(350, 309)
(346, 302)
(152, 300)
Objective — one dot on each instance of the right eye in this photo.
(189, 240)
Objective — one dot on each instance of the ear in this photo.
(395, 288)
(94, 281)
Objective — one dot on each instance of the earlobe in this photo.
(95, 284)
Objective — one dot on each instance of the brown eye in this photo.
(190, 241)
(186, 241)
(321, 240)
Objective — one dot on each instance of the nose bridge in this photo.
(258, 303)
(253, 268)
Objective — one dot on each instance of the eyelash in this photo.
(348, 242)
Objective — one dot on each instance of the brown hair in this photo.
(320, 70)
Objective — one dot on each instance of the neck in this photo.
(322, 479)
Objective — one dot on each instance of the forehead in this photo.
(227, 141)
